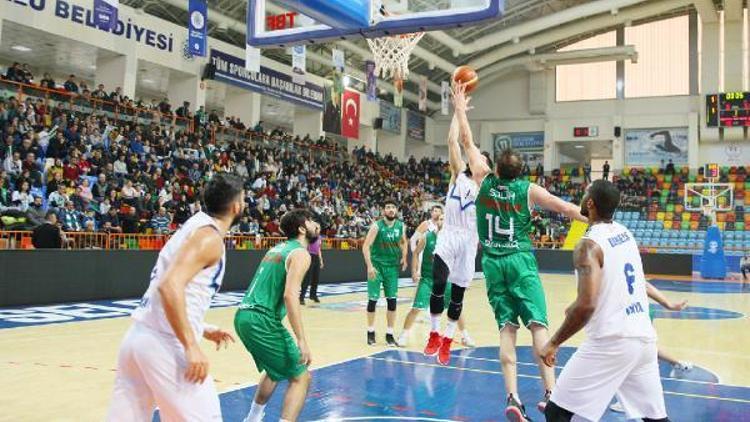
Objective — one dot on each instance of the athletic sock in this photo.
(435, 322)
(371, 329)
(256, 412)
(450, 329)
(389, 330)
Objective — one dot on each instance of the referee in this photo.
(313, 273)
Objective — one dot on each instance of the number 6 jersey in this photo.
(622, 305)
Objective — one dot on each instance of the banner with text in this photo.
(105, 14)
(415, 126)
(445, 98)
(299, 64)
(198, 27)
(372, 81)
(231, 69)
(332, 111)
(391, 116)
(529, 144)
(647, 147)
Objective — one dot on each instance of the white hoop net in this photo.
(392, 54)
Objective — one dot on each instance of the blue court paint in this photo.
(695, 312)
(696, 286)
(405, 385)
(86, 311)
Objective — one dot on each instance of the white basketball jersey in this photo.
(199, 290)
(460, 209)
(622, 306)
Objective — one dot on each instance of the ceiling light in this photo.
(347, 79)
(580, 146)
(21, 48)
(147, 81)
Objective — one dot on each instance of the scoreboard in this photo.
(730, 109)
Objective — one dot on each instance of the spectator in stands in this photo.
(22, 197)
(70, 85)
(745, 266)
(587, 172)
(160, 222)
(28, 77)
(99, 93)
(130, 221)
(57, 147)
(14, 73)
(47, 82)
(258, 127)
(110, 221)
(13, 165)
(71, 218)
(670, 168)
(120, 167)
(36, 211)
(184, 110)
(605, 170)
(117, 97)
(48, 235)
(59, 197)
(5, 196)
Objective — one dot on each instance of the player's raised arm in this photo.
(418, 234)
(457, 164)
(588, 260)
(477, 162)
(203, 249)
(369, 240)
(540, 196)
(298, 263)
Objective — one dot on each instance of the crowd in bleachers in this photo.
(104, 170)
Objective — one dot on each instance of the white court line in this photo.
(664, 378)
(483, 371)
(383, 418)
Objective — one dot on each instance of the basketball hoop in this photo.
(392, 54)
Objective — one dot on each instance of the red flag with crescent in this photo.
(350, 114)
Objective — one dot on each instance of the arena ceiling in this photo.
(528, 27)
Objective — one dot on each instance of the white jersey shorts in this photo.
(151, 372)
(599, 370)
(458, 248)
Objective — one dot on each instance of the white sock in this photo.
(389, 330)
(371, 329)
(406, 333)
(256, 412)
(450, 329)
(465, 333)
(435, 322)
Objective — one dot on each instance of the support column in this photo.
(186, 88)
(242, 104)
(120, 71)
(733, 45)
(710, 58)
(307, 121)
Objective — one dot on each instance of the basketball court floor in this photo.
(57, 362)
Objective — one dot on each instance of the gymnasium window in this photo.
(588, 81)
(663, 66)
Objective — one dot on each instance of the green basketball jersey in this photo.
(266, 291)
(503, 216)
(386, 250)
(427, 254)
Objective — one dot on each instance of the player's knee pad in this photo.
(371, 304)
(555, 413)
(391, 301)
(457, 302)
(437, 304)
(439, 276)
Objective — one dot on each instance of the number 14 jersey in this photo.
(503, 216)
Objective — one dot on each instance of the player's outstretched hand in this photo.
(460, 100)
(305, 357)
(197, 365)
(218, 336)
(549, 354)
(677, 306)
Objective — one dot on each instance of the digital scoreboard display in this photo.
(730, 109)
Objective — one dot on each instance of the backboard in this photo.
(709, 197)
(320, 21)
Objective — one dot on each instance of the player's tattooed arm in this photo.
(588, 260)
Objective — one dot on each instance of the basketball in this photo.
(467, 75)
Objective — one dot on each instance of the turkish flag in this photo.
(350, 114)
